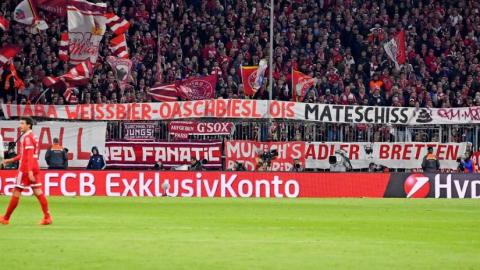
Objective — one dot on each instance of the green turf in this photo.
(175, 233)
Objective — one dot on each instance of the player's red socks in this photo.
(11, 207)
(44, 204)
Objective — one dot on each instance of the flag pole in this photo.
(270, 70)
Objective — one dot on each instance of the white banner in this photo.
(390, 155)
(315, 155)
(77, 137)
(257, 109)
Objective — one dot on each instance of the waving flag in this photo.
(300, 84)
(13, 79)
(63, 48)
(86, 27)
(197, 88)
(7, 53)
(260, 76)
(117, 24)
(57, 7)
(4, 23)
(118, 46)
(249, 76)
(121, 69)
(164, 92)
(77, 76)
(396, 49)
(25, 13)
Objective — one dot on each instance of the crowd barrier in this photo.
(251, 184)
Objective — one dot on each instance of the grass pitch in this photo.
(178, 233)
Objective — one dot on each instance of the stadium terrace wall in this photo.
(249, 184)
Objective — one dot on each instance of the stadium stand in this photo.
(338, 42)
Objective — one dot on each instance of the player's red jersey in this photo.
(27, 149)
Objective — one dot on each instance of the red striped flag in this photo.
(117, 24)
(63, 48)
(79, 75)
(70, 96)
(4, 23)
(164, 93)
(118, 46)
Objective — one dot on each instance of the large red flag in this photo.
(197, 88)
(249, 76)
(57, 7)
(300, 85)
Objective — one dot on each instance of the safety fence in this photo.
(285, 131)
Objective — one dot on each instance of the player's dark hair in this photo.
(27, 120)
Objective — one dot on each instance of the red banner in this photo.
(134, 131)
(172, 154)
(203, 184)
(248, 153)
(182, 129)
(198, 88)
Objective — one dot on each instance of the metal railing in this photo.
(324, 132)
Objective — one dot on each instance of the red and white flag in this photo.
(70, 96)
(25, 13)
(121, 69)
(86, 27)
(118, 46)
(197, 88)
(249, 76)
(117, 24)
(63, 48)
(300, 84)
(164, 93)
(396, 49)
(4, 23)
(17, 81)
(7, 53)
(77, 76)
(260, 75)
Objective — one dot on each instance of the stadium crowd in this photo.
(338, 42)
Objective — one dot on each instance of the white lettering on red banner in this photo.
(172, 154)
(77, 137)
(199, 184)
(258, 109)
(182, 129)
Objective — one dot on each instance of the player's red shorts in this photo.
(23, 181)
